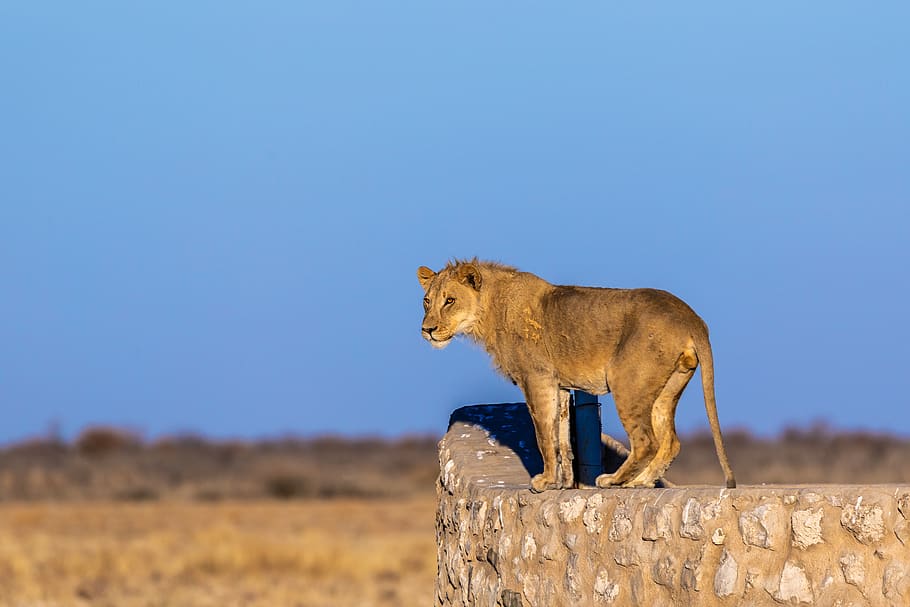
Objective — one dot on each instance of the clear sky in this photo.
(211, 213)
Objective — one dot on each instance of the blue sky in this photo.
(211, 213)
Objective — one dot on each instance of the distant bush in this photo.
(295, 486)
(102, 440)
(288, 486)
(177, 442)
(137, 494)
(39, 447)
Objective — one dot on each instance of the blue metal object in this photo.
(586, 430)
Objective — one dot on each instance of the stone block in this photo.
(621, 524)
(593, 517)
(689, 579)
(605, 589)
(572, 508)
(864, 520)
(726, 576)
(656, 523)
(763, 526)
(793, 586)
(854, 571)
(690, 525)
(806, 527)
(664, 571)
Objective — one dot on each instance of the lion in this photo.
(641, 345)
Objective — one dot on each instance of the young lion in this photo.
(643, 345)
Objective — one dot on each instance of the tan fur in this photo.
(643, 345)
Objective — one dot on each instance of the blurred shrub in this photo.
(295, 486)
(288, 486)
(137, 494)
(97, 441)
(181, 442)
(40, 447)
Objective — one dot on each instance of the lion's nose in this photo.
(429, 330)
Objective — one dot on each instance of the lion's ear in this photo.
(469, 274)
(425, 275)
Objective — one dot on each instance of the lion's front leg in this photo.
(565, 473)
(542, 394)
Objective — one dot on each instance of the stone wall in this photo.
(500, 544)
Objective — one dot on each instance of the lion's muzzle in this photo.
(432, 335)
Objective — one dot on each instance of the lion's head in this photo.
(451, 301)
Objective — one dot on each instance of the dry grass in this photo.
(305, 552)
(112, 520)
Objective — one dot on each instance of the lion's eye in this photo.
(450, 301)
(426, 302)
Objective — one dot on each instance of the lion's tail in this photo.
(703, 351)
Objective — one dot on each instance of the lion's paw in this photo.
(605, 480)
(540, 483)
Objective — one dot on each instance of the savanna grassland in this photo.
(112, 519)
(307, 552)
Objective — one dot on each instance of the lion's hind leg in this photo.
(641, 439)
(663, 420)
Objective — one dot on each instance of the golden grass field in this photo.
(113, 520)
(304, 552)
